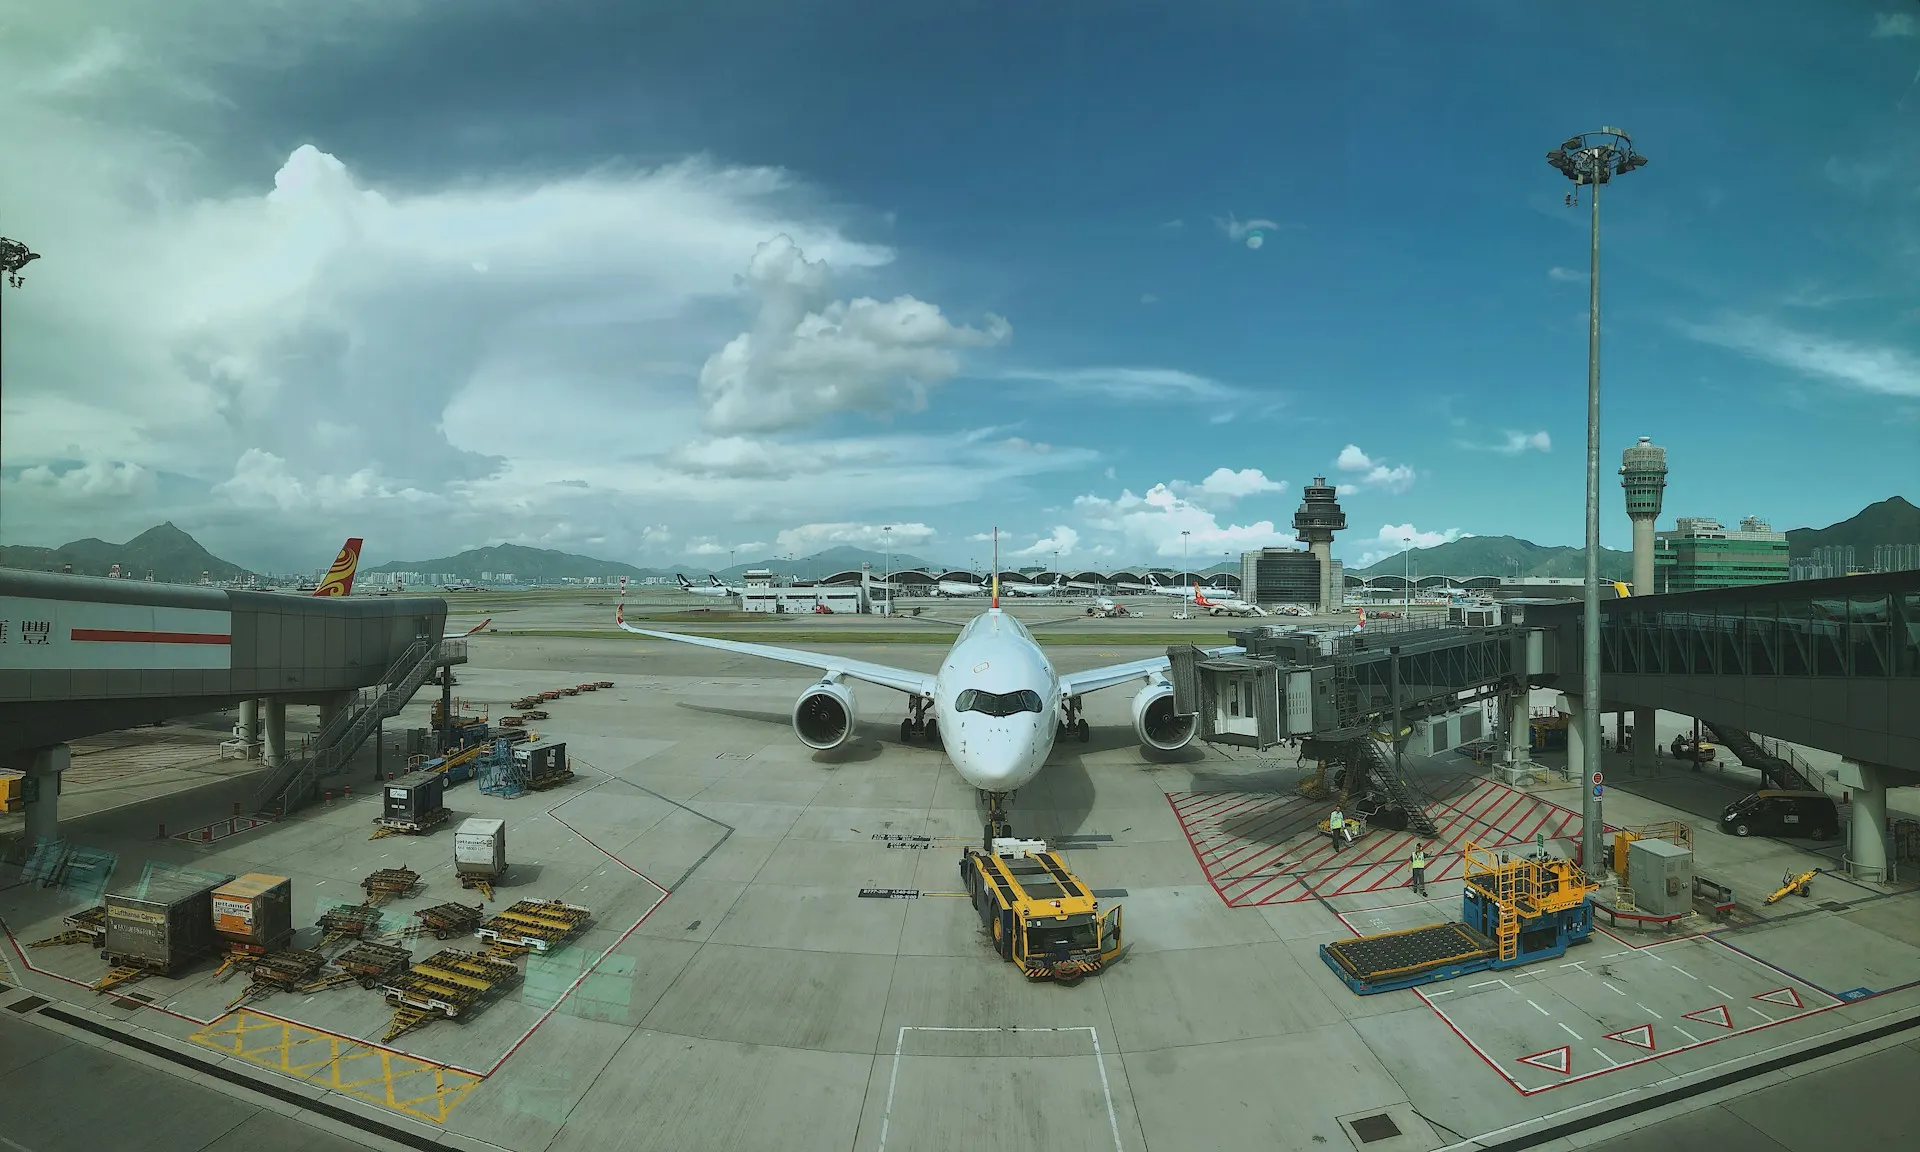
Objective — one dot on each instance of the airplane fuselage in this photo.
(995, 658)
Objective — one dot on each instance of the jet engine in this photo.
(823, 716)
(1155, 720)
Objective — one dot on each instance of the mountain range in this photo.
(174, 556)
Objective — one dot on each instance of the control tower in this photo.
(1317, 520)
(1643, 473)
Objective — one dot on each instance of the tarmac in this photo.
(734, 988)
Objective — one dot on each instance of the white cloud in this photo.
(97, 480)
(1252, 233)
(1891, 24)
(1374, 473)
(810, 538)
(262, 481)
(1227, 484)
(1130, 384)
(1151, 525)
(1392, 540)
(1513, 443)
(1568, 275)
(808, 357)
(1062, 540)
(709, 546)
(1882, 369)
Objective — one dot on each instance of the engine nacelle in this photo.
(823, 717)
(1155, 721)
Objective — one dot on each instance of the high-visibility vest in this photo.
(1335, 820)
(1419, 860)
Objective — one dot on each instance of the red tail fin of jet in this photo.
(339, 578)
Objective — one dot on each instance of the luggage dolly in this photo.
(88, 926)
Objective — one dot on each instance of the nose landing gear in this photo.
(997, 823)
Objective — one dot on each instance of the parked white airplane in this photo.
(960, 588)
(1107, 606)
(713, 589)
(997, 702)
(1023, 588)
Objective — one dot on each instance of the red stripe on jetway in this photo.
(117, 636)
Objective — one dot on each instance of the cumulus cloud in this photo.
(263, 481)
(1567, 275)
(99, 479)
(1225, 484)
(1151, 525)
(809, 538)
(1887, 25)
(1882, 369)
(809, 356)
(1062, 540)
(710, 546)
(1371, 473)
(1393, 539)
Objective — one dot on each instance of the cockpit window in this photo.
(998, 704)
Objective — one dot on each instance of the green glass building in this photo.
(1701, 553)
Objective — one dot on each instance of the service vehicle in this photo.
(1040, 916)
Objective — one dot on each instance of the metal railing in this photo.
(336, 743)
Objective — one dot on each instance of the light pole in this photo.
(1591, 160)
(886, 535)
(1406, 574)
(13, 257)
(1186, 605)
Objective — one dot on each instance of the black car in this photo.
(1773, 812)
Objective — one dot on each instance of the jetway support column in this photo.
(1646, 742)
(248, 730)
(1575, 709)
(1867, 841)
(275, 752)
(43, 793)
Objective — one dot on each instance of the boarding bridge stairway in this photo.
(1380, 767)
(335, 745)
(1779, 771)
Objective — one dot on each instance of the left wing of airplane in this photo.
(900, 679)
(1094, 679)
(468, 632)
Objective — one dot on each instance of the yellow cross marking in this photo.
(349, 1066)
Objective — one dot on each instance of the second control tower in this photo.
(1643, 473)
(1317, 520)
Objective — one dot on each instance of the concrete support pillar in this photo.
(1518, 747)
(1867, 852)
(1576, 741)
(248, 730)
(43, 793)
(275, 752)
(1646, 742)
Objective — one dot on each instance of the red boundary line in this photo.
(586, 971)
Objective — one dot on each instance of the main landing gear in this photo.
(920, 723)
(1071, 721)
(997, 823)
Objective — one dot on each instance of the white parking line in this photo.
(1539, 1009)
(1648, 1010)
(1570, 1032)
(1442, 992)
(1759, 1013)
(1683, 972)
(1690, 1036)
(1722, 991)
(1613, 990)
(1607, 1058)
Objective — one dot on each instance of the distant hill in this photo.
(839, 558)
(526, 565)
(170, 554)
(1892, 521)
(1498, 556)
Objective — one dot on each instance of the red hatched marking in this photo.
(1717, 1014)
(1553, 1060)
(121, 636)
(1640, 1036)
(1774, 997)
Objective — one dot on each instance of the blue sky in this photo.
(656, 281)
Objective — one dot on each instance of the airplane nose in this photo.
(990, 759)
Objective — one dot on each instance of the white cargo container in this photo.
(480, 849)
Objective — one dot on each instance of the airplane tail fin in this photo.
(620, 608)
(1363, 619)
(684, 582)
(714, 580)
(1200, 598)
(339, 578)
(996, 569)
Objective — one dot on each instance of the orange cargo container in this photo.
(254, 912)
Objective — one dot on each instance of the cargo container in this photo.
(542, 761)
(164, 924)
(415, 797)
(255, 912)
(13, 795)
(480, 849)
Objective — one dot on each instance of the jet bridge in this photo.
(1336, 686)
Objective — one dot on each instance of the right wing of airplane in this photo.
(899, 679)
(468, 632)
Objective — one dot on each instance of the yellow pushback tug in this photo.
(1041, 917)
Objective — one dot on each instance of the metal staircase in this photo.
(335, 744)
(1781, 772)
(1379, 765)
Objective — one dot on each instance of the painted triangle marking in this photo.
(1553, 1060)
(1717, 1014)
(1640, 1036)
(1791, 998)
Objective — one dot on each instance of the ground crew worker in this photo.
(1418, 863)
(1336, 828)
